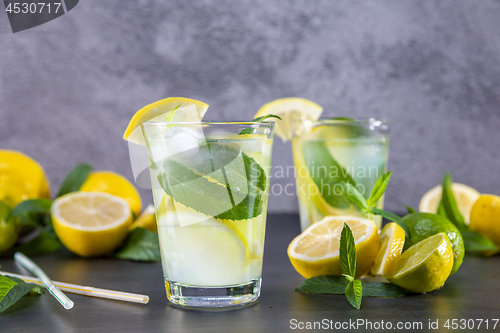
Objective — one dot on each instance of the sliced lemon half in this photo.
(465, 197)
(315, 251)
(91, 223)
(292, 110)
(391, 240)
(159, 110)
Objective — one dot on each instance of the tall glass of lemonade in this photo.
(331, 151)
(210, 185)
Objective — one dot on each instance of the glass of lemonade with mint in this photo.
(327, 152)
(210, 185)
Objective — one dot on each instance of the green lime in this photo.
(424, 225)
(424, 267)
(8, 229)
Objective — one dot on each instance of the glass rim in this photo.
(245, 123)
(355, 121)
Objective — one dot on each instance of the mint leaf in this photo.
(450, 205)
(250, 130)
(379, 188)
(410, 210)
(343, 118)
(326, 173)
(75, 179)
(392, 217)
(186, 180)
(11, 291)
(46, 242)
(474, 242)
(354, 196)
(171, 114)
(347, 252)
(382, 289)
(31, 212)
(354, 293)
(325, 284)
(140, 245)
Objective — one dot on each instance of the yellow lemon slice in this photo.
(293, 110)
(391, 240)
(316, 250)
(91, 223)
(115, 184)
(146, 220)
(159, 110)
(425, 266)
(465, 197)
(21, 178)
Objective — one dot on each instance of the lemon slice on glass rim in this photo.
(293, 111)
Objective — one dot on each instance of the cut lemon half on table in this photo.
(391, 240)
(187, 110)
(315, 251)
(292, 110)
(114, 184)
(91, 223)
(425, 266)
(465, 196)
(146, 220)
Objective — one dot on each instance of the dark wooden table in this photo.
(472, 293)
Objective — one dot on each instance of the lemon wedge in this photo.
(146, 220)
(391, 240)
(292, 110)
(188, 110)
(465, 197)
(91, 223)
(115, 184)
(315, 251)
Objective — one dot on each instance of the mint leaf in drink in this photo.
(325, 284)
(475, 242)
(230, 182)
(32, 212)
(410, 210)
(171, 114)
(343, 118)
(326, 173)
(379, 189)
(354, 293)
(46, 242)
(450, 205)
(11, 291)
(75, 179)
(140, 245)
(382, 289)
(347, 253)
(250, 130)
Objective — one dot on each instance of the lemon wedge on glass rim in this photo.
(91, 223)
(316, 252)
(293, 111)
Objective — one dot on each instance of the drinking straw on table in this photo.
(37, 271)
(87, 291)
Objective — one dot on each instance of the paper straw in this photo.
(39, 273)
(87, 291)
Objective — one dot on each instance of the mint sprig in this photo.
(12, 289)
(473, 241)
(368, 207)
(140, 245)
(250, 130)
(75, 179)
(354, 289)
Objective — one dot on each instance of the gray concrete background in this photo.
(69, 87)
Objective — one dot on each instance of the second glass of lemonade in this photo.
(331, 151)
(210, 186)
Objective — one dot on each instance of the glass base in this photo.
(213, 297)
